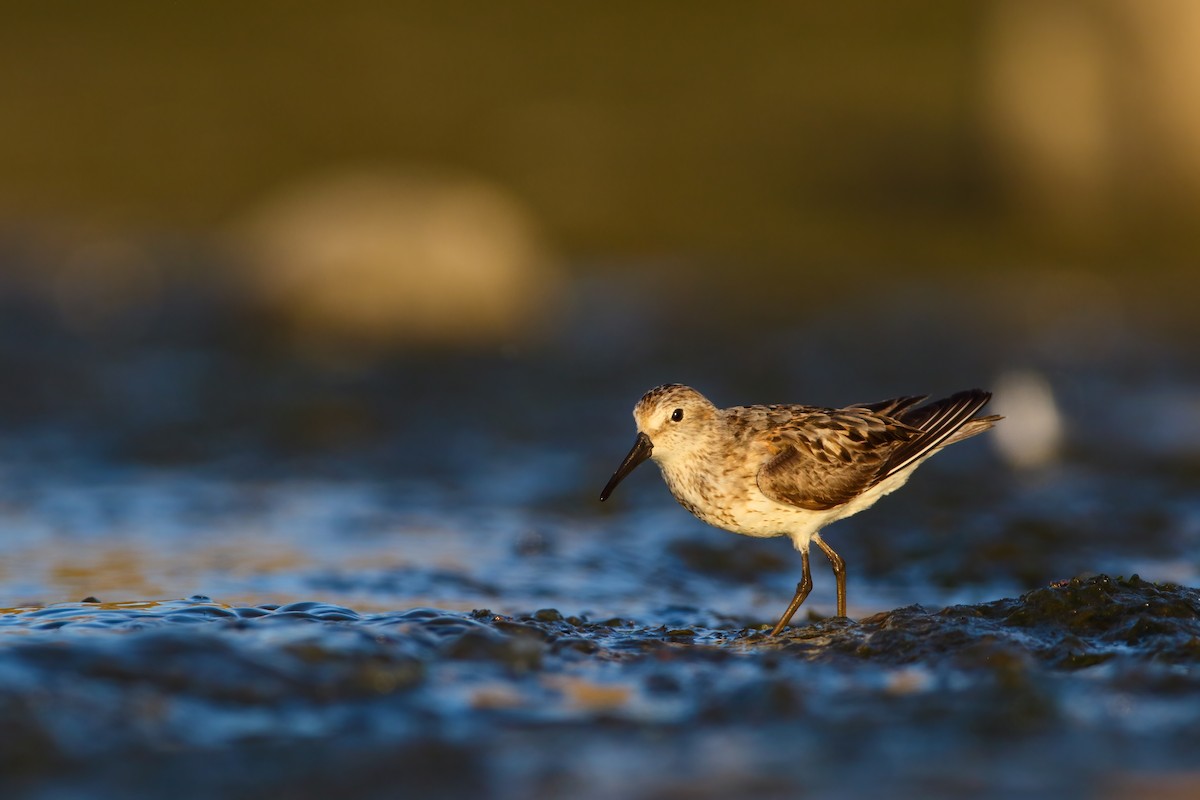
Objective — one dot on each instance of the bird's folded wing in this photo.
(829, 457)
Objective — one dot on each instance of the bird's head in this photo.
(668, 419)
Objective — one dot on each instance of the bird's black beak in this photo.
(642, 448)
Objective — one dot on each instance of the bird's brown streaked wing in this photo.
(828, 458)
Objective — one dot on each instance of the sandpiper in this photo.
(790, 470)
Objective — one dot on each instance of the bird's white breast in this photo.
(728, 497)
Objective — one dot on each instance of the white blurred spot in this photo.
(1031, 434)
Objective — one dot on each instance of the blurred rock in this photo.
(376, 260)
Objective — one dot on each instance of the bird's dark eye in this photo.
(677, 415)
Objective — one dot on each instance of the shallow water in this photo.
(414, 587)
(1084, 682)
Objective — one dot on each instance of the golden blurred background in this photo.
(338, 157)
(450, 243)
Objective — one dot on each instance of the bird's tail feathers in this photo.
(941, 423)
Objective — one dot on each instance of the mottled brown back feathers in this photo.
(827, 457)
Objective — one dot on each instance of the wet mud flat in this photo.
(196, 458)
(1085, 688)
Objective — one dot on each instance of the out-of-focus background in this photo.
(961, 138)
(351, 304)
(331, 189)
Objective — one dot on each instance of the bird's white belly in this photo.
(740, 507)
(756, 515)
